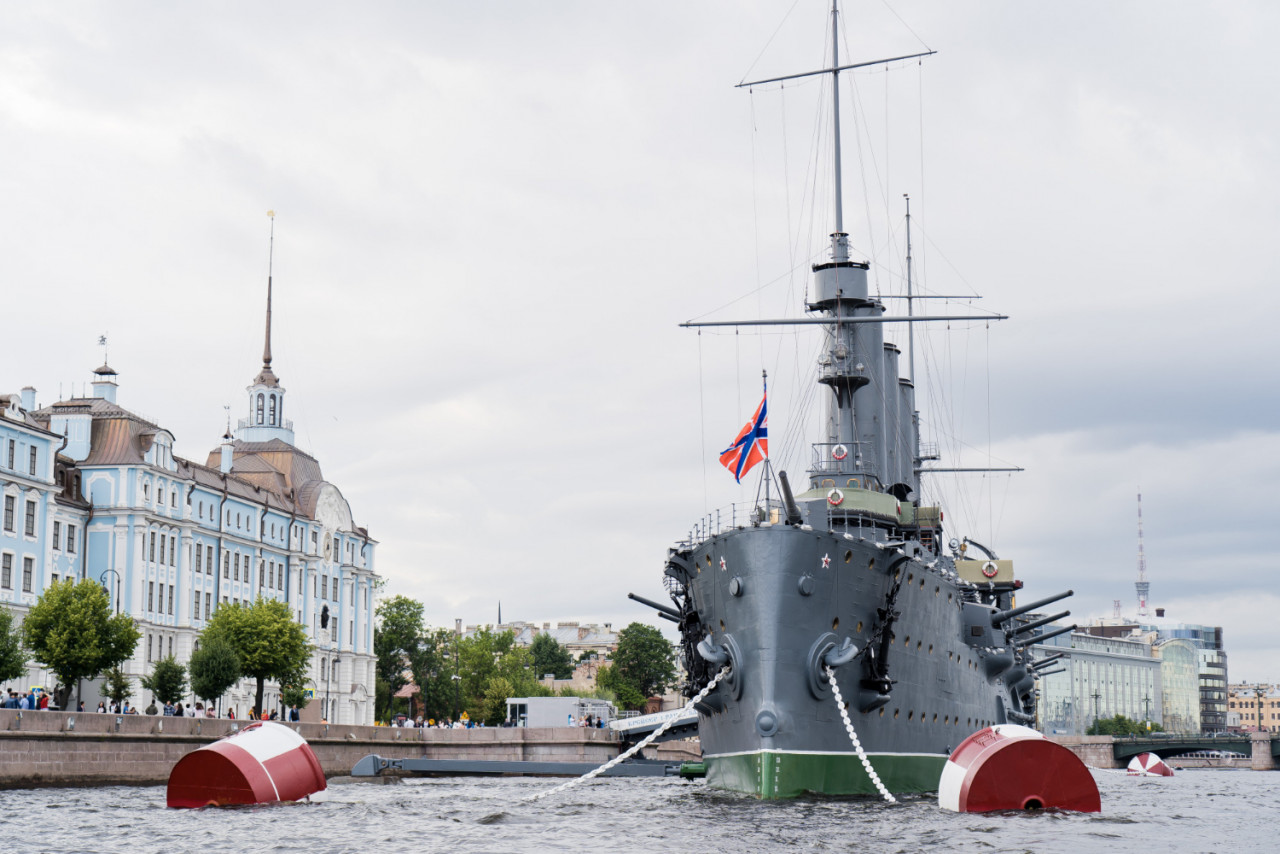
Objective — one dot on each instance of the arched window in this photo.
(273, 410)
(259, 407)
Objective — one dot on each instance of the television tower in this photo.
(1141, 585)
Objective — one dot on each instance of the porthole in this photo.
(911, 715)
(722, 626)
(871, 564)
(946, 719)
(931, 649)
(948, 597)
(848, 557)
(910, 576)
(919, 644)
(937, 591)
(859, 626)
(922, 584)
(708, 560)
(895, 714)
(935, 717)
(835, 624)
(906, 641)
(882, 711)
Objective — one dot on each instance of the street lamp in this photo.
(102, 579)
(457, 691)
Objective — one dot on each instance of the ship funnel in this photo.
(1004, 616)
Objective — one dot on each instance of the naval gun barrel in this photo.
(1046, 661)
(793, 510)
(663, 610)
(1004, 616)
(1044, 637)
(1026, 627)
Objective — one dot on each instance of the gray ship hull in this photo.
(774, 598)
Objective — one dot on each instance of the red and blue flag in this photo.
(752, 444)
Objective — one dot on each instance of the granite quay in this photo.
(91, 749)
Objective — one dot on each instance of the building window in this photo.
(151, 600)
(237, 573)
(8, 512)
(162, 544)
(273, 410)
(28, 570)
(150, 640)
(71, 539)
(324, 587)
(146, 492)
(207, 606)
(57, 536)
(199, 555)
(6, 571)
(32, 462)
(208, 561)
(226, 565)
(171, 646)
(171, 601)
(173, 550)
(30, 525)
(260, 398)
(152, 553)
(12, 447)
(334, 597)
(173, 500)
(262, 574)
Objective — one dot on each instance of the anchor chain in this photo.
(702, 695)
(853, 737)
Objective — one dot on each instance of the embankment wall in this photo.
(89, 748)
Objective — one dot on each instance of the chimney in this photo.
(1159, 612)
(546, 627)
(29, 399)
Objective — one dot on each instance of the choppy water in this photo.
(1198, 810)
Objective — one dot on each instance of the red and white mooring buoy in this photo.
(1148, 765)
(1010, 767)
(260, 764)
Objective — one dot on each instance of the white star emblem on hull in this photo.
(826, 561)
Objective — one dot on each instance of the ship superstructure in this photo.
(851, 573)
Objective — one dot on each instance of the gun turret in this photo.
(1038, 623)
(789, 500)
(663, 611)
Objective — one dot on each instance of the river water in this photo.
(1198, 810)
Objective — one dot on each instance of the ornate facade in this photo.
(93, 490)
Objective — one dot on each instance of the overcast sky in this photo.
(492, 217)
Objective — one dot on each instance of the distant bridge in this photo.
(1125, 749)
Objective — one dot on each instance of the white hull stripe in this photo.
(817, 753)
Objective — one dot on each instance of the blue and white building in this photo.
(93, 490)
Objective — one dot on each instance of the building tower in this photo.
(266, 419)
(1142, 586)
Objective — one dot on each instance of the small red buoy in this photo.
(262, 763)
(1010, 767)
(1148, 765)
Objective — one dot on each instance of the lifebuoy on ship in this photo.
(839, 452)
(835, 497)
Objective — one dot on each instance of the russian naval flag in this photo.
(752, 444)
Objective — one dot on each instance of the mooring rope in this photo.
(853, 737)
(702, 695)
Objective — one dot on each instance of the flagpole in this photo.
(768, 466)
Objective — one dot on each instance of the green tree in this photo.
(215, 667)
(1121, 726)
(72, 632)
(13, 658)
(433, 670)
(612, 686)
(266, 640)
(397, 641)
(294, 695)
(644, 659)
(488, 656)
(550, 656)
(168, 680)
(116, 685)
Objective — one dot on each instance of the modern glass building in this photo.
(1097, 677)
